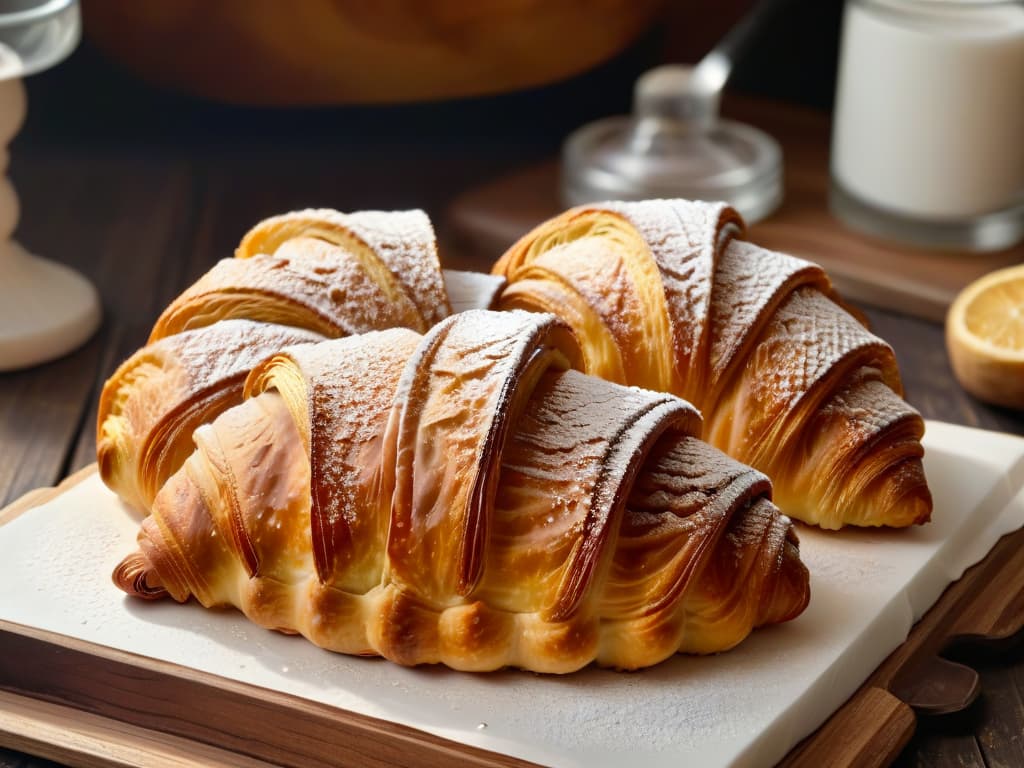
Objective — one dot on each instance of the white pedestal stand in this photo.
(46, 309)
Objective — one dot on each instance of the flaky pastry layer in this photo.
(465, 498)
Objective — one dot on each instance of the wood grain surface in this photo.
(70, 734)
(144, 221)
(192, 706)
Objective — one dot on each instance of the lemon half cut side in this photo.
(985, 337)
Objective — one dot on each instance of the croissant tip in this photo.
(106, 456)
(135, 577)
(914, 508)
(792, 589)
(926, 504)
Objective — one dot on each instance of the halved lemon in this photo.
(985, 337)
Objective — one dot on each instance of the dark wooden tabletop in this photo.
(144, 217)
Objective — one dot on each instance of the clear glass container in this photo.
(622, 159)
(36, 34)
(46, 308)
(928, 131)
(675, 145)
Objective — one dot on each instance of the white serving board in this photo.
(747, 707)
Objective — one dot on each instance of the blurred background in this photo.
(438, 96)
(523, 72)
(408, 106)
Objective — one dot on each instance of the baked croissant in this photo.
(298, 278)
(157, 397)
(463, 498)
(333, 273)
(664, 295)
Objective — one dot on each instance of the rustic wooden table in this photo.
(144, 220)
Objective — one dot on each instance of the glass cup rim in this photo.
(42, 11)
(908, 7)
(922, 14)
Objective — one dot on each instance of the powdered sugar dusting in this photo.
(759, 339)
(339, 285)
(684, 238)
(326, 284)
(226, 349)
(405, 241)
(452, 407)
(191, 367)
(350, 385)
(578, 442)
(799, 350)
(324, 276)
(749, 282)
(868, 404)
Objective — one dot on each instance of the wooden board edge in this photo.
(844, 742)
(967, 605)
(971, 605)
(918, 301)
(39, 496)
(209, 709)
(73, 736)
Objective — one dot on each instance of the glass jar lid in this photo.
(36, 34)
(622, 158)
(675, 145)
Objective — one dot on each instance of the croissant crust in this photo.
(466, 498)
(664, 294)
(296, 278)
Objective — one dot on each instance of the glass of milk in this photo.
(928, 131)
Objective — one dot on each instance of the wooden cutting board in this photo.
(484, 221)
(71, 700)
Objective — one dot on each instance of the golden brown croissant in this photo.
(462, 498)
(662, 294)
(329, 273)
(155, 399)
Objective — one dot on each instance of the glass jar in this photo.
(928, 131)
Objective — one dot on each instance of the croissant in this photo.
(333, 273)
(465, 498)
(297, 278)
(156, 399)
(664, 295)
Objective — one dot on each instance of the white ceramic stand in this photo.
(46, 309)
